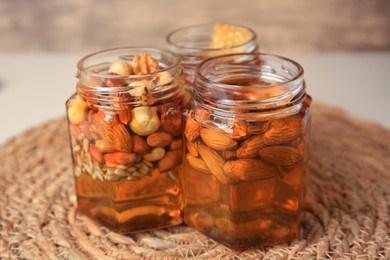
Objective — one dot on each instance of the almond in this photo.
(124, 116)
(192, 148)
(159, 139)
(120, 158)
(176, 144)
(192, 127)
(95, 154)
(104, 147)
(113, 132)
(171, 160)
(217, 140)
(239, 130)
(214, 162)
(283, 131)
(280, 155)
(249, 169)
(197, 163)
(140, 145)
(250, 147)
(171, 118)
(257, 127)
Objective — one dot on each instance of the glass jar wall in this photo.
(125, 128)
(246, 135)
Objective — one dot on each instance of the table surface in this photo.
(35, 86)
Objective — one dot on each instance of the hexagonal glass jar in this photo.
(125, 130)
(246, 135)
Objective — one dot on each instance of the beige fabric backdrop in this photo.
(282, 25)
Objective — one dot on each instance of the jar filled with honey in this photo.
(198, 42)
(246, 135)
(125, 128)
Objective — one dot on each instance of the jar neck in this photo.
(249, 86)
(193, 44)
(100, 88)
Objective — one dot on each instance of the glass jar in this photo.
(198, 42)
(246, 135)
(125, 129)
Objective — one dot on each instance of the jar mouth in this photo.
(119, 53)
(253, 61)
(98, 86)
(248, 81)
(197, 38)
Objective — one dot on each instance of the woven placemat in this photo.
(346, 217)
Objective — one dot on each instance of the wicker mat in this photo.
(346, 217)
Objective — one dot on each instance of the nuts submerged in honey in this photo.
(249, 193)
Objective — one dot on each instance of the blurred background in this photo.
(343, 45)
(283, 26)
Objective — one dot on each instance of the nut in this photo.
(159, 139)
(214, 163)
(144, 64)
(257, 127)
(113, 132)
(121, 68)
(164, 78)
(171, 160)
(280, 155)
(197, 163)
(192, 128)
(250, 147)
(104, 147)
(124, 116)
(155, 155)
(299, 143)
(176, 144)
(138, 88)
(217, 140)
(249, 169)
(145, 120)
(192, 148)
(77, 110)
(283, 131)
(171, 118)
(140, 145)
(120, 158)
(240, 130)
(95, 154)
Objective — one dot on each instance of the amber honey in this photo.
(127, 206)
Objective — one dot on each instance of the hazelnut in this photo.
(145, 120)
(121, 68)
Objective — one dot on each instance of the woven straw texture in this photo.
(346, 217)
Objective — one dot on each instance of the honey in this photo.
(125, 206)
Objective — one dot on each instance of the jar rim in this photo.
(170, 41)
(198, 74)
(81, 62)
(93, 77)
